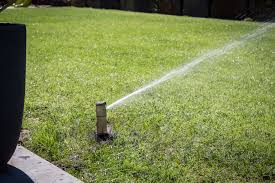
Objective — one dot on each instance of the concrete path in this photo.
(27, 167)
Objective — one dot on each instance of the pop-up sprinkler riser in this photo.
(103, 130)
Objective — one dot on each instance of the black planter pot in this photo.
(12, 87)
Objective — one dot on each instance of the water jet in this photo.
(184, 69)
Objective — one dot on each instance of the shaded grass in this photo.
(215, 124)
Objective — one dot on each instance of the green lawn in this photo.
(217, 123)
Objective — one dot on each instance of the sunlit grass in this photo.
(214, 124)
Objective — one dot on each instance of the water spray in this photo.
(103, 129)
(187, 67)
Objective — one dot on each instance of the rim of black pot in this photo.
(12, 27)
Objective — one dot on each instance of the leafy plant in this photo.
(17, 3)
(22, 3)
(5, 4)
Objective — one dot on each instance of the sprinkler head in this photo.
(103, 130)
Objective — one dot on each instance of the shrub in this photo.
(78, 3)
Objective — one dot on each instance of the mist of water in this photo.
(185, 68)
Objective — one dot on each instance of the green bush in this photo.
(78, 3)
(23, 3)
(5, 4)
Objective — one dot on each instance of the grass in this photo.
(214, 124)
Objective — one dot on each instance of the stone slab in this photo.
(27, 167)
